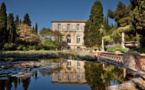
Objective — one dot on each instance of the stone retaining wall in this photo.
(118, 59)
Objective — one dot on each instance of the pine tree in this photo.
(11, 28)
(121, 14)
(36, 28)
(27, 20)
(17, 22)
(138, 18)
(96, 20)
(3, 23)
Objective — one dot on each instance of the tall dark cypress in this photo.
(27, 20)
(20, 22)
(36, 28)
(3, 23)
(86, 34)
(96, 20)
(17, 22)
(11, 28)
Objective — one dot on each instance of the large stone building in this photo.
(73, 33)
(73, 72)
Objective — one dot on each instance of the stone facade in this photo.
(73, 72)
(73, 33)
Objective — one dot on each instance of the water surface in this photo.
(61, 75)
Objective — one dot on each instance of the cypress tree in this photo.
(27, 20)
(11, 28)
(17, 22)
(96, 20)
(86, 34)
(3, 24)
(36, 28)
(20, 22)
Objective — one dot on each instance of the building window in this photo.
(63, 27)
(78, 39)
(68, 48)
(78, 65)
(68, 26)
(69, 64)
(78, 27)
(68, 39)
(79, 77)
(59, 26)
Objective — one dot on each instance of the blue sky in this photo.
(45, 11)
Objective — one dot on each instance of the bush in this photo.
(140, 50)
(10, 46)
(25, 49)
(111, 50)
(124, 50)
(20, 47)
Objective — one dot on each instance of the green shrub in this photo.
(111, 50)
(140, 50)
(87, 57)
(20, 47)
(25, 48)
(10, 46)
(124, 50)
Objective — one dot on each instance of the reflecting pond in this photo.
(59, 75)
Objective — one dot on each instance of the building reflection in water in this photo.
(73, 73)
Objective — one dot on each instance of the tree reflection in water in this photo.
(99, 77)
(96, 76)
(25, 81)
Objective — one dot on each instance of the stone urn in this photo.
(131, 44)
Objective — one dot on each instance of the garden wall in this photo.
(118, 59)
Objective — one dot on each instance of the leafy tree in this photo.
(27, 35)
(27, 20)
(3, 23)
(45, 34)
(138, 18)
(36, 28)
(95, 22)
(17, 22)
(11, 28)
(57, 36)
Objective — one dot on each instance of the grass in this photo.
(46, 55)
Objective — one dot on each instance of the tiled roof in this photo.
(72, 21)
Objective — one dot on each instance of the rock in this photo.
(129, 59)
(125, 86)
(139, 82)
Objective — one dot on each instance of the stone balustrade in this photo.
(116, 58)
